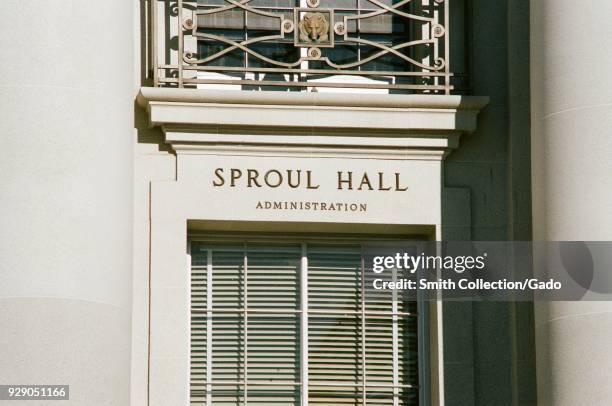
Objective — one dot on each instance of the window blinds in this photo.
(246, 329)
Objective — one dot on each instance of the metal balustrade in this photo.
(384, 46)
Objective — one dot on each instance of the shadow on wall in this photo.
(489, 348)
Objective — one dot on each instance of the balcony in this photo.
(373, 46)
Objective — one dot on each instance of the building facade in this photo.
(187, 186)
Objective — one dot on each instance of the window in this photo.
(288, 323)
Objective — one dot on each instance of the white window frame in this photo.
(422, 315)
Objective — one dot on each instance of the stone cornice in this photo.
(195, 119)
(160, 94)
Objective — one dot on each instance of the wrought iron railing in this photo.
(381, 45)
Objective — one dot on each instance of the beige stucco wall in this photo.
(152, 163)
(571, 143)
(66, 197)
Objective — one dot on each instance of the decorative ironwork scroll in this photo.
(252, 44)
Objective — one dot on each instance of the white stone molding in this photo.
(389, 126)
(207, 129)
